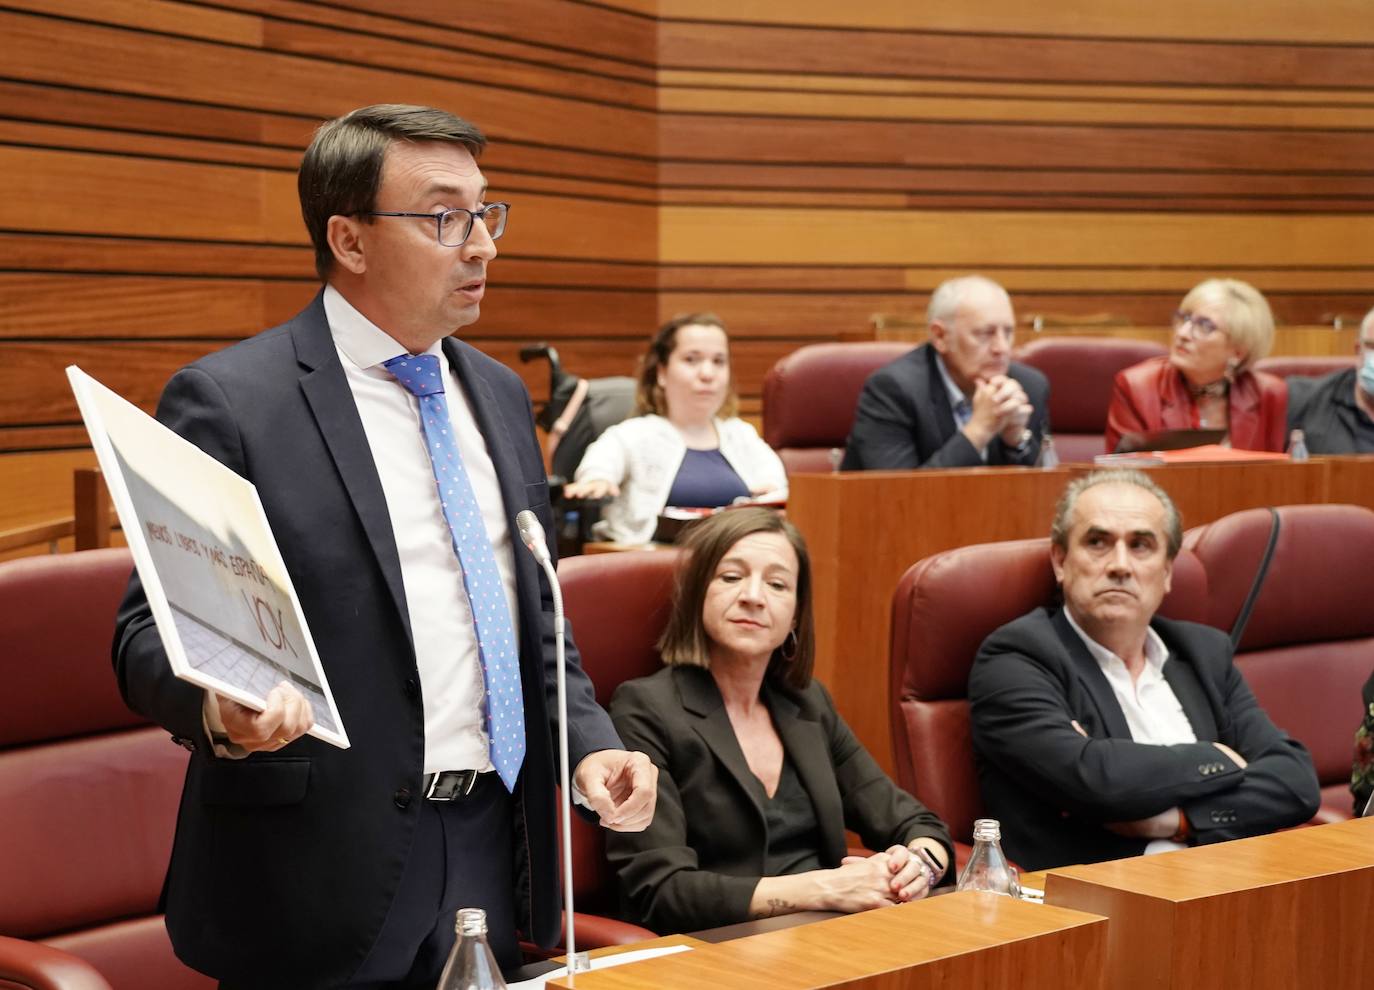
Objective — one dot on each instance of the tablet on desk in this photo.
(1168, 440)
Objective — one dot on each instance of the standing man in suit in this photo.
(391, 460)
(1103, 731)
(958, 400)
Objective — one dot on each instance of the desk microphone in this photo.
(532, 535)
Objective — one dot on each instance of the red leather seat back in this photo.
(810, 396)
(1310, 365)
(57, 621)
(1309, 645)
(88, 789)
(617, 605)
(943, 609)
(1081, 371)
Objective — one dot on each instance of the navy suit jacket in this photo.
(285, 864)
(904, 420)
(1053, 790)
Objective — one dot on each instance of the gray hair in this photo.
(1063, 513)
(1367, 324)
(949, 296)
(342, 168)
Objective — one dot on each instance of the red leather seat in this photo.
(88, 789)
(1081, 371)
(617, 605)
(810, 396)
(1313, 366)
(943, 609)
(1309, 645)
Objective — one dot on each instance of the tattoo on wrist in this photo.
(775, 906)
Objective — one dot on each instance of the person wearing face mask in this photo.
(1206, 381)
(686, 447)
(758, 774)
(1336, 412)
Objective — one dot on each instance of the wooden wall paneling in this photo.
(829, 140)
(43, 49)
(624, 35)
(154, 197)
(38, 485)
(33, 382)
(1005, 237)
(1140, 111)
(991, 56)
(1341, 21)
(1051, 279)
(80, 306)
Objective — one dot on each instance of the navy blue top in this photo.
(705, 481)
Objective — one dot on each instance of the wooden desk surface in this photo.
(864, 529)
(1276, 912)
(961, 940)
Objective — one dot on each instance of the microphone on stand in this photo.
(532, 535)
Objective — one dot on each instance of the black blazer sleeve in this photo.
(889, 433)
(662, 880)
(1278, 787)
(877, 809)
(1023, 710)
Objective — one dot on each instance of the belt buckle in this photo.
(449, 785)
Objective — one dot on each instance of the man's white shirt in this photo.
(1153, 712)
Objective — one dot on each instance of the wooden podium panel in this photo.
(1270, 913)
(864, 529)
(955, 940)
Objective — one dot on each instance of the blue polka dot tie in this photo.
(490, 611)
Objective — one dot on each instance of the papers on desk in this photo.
(224, 605)
(601, 962)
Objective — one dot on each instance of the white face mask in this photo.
(1367, 372)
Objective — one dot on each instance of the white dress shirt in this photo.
(441, 623)
(440, 616)
(1152, 710)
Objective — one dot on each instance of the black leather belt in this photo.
(450, 785)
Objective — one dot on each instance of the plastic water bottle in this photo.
(1049, 457)
(1297, 447)
(471, 966)
(987, 869)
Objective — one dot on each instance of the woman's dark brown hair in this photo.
(649, 394)
(684, 641)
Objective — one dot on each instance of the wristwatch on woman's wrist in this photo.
(930, 862)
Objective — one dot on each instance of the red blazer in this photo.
(1153, 395)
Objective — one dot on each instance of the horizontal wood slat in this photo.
(1340, 21)
(865, 52)
(969, 239)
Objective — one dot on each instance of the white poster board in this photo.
(224, 605)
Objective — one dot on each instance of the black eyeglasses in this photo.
(453, 227)
(1202, 327)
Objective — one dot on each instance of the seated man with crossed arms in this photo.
(1101, 730)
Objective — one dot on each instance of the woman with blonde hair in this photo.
(1207, 380)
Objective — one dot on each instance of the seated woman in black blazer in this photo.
(758, 775)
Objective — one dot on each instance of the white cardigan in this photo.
(643, 454)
